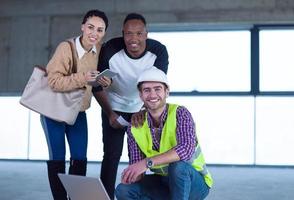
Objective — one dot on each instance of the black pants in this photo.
(112, 147)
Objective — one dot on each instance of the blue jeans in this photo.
(183, 182)
(76, 134)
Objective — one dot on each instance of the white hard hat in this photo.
(153, 74)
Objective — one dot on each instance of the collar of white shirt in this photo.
(81, 51)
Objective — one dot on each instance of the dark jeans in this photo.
(112, 147)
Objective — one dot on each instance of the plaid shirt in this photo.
(185, 135)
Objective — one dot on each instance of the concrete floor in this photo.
(27, 180)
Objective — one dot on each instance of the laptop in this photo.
(83, 188)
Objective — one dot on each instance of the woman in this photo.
(86, 48)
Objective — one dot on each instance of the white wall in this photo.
(229, 130)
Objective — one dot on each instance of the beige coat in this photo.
(59, 69)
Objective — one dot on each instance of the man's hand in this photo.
(113, 121)
(134, 172)
(104, 81)
(138, 118)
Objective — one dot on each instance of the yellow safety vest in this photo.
(168, 141)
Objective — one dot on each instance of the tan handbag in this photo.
(60, 106)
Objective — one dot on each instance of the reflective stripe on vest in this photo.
(168, 141)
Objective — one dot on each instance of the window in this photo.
(276, 60)
(207, 61)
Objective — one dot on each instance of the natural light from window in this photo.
(276, 60)
(210, 61)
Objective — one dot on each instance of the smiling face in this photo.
(154, 95)
(135, 36)
(93, 32)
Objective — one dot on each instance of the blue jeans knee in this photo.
(177, 167)
(122, 191)
(185, 182)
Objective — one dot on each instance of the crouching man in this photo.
(167, 145)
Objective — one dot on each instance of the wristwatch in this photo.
(149, 163)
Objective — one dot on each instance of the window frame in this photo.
(254, 54)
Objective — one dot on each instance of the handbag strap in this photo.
(74, 61)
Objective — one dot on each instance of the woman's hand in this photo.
(91, 76)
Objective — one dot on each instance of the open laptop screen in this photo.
(83, 188)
